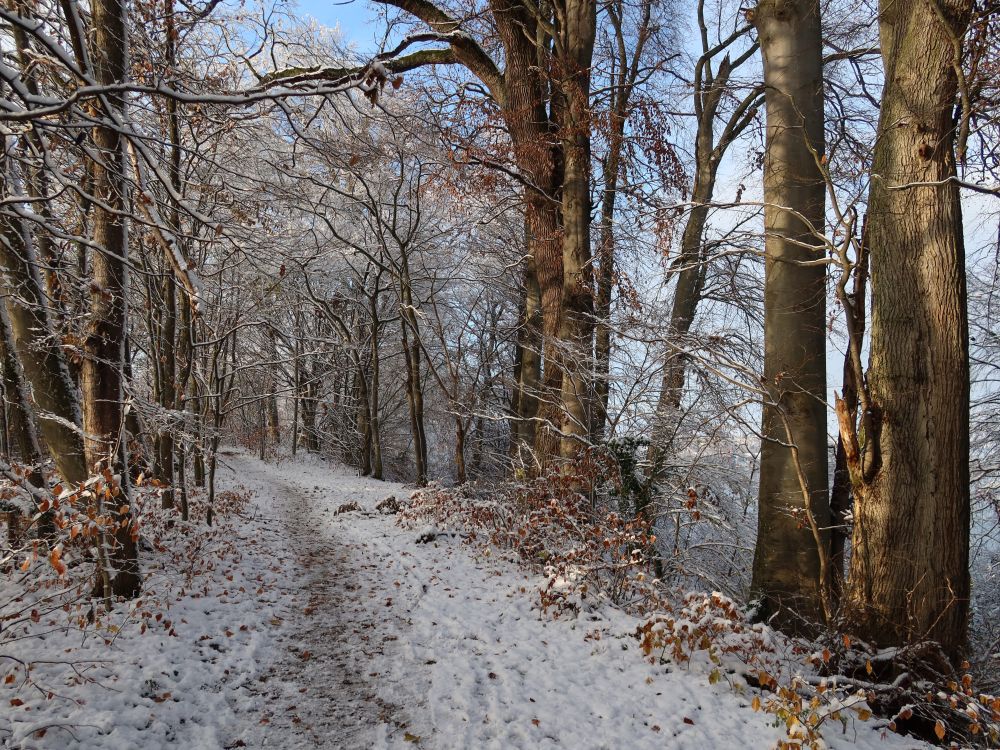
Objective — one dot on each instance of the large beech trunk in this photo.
(791, 557)
(101, 374)
(909, 575)
(576, 325)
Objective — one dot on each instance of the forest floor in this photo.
(315, 628)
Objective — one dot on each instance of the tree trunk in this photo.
(364, 432)
(414, 389)
(544, 248)
(20, 422)
(576, 326)
(296, 384)
(168, 331)
(790, 570)
(841, 493)
(538, 155)
(528, 369)
(273, 421)
(460, 472)
(909, 574)
(310, 403)
(101, 374)
(41, 358)
(374, 415)
(168, 391)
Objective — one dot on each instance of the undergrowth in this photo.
(589, 552)
(52, 583)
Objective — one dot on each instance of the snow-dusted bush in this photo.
(587, 550)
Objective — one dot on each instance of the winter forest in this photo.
(500, 374)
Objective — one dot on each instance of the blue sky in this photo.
(358, 20)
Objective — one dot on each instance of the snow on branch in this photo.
(165, 237)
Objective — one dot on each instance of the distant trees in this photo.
(543, 95)
(713, 84)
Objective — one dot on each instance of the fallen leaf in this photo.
(939, 730)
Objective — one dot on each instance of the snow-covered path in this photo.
(414, 644)
(324, 685)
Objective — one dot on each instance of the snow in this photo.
(308, 628)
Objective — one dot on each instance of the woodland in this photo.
(655, 296)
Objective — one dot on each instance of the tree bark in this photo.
(273, 420)
(52, 388)
(460, 431)
(101, 374)
(841, 493)
(410, 331)
(374, 414)
(792, 552)
(528, 367)
(909, 575)
(20, 421)
(576, 329)
(364, 432)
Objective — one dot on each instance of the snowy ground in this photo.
(318, 629)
